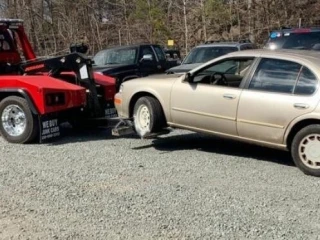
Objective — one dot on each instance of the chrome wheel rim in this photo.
(143, 118)
(309, 151)
(14, 120)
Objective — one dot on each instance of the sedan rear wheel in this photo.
(305, 150)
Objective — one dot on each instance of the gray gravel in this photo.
(91, 185)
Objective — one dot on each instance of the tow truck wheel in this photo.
(148, 116)
(17, 124)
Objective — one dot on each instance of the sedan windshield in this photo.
(204, 54)
(116, 56)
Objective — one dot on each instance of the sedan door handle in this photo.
(229, 96)
(301, 105)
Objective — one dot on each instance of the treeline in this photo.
(53, 25)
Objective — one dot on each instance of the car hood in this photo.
(164, 78)
(184, 68)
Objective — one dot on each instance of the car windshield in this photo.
(204, 54)
(299, 40)
(116, 56)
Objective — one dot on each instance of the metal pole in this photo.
(299, 22)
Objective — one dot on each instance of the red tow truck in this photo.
(37, 95)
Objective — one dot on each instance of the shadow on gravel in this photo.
(207, 143)
(70, 135)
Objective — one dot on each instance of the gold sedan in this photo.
(270, 98)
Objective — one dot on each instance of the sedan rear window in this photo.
(307, 83)
(275, 75)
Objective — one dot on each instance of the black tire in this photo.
(31, 129)
(299, 153)
(157, 119)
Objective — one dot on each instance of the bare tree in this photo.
(53, 25)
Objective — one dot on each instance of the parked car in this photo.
(294, 38)
(270, 98)
(208, 51)
(132, 61)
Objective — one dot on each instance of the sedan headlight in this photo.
(121, 88)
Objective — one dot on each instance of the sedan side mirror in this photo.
(147, 57)
(188, 77)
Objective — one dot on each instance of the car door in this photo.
(147, 65)
(279, 91)
(200, 105)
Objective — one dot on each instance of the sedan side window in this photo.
(229, 72)
(307, 83)
(274, 75)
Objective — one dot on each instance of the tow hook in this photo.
(123, 127)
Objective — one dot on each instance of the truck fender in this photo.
(6, 92)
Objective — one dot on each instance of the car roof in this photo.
(128, 46)
(313, 56)
(224, 44)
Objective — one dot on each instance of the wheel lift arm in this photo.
(76, 62)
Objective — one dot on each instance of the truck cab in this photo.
(132, 61)
(14, 45)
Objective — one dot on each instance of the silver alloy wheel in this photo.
(309, 151)
(14, 120)
(142, 118)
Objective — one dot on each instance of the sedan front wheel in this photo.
(148, 116)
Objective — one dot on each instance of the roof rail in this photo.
(212, 41)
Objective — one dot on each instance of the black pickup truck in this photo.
(132, 61)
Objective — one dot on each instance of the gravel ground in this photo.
(91, 185)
